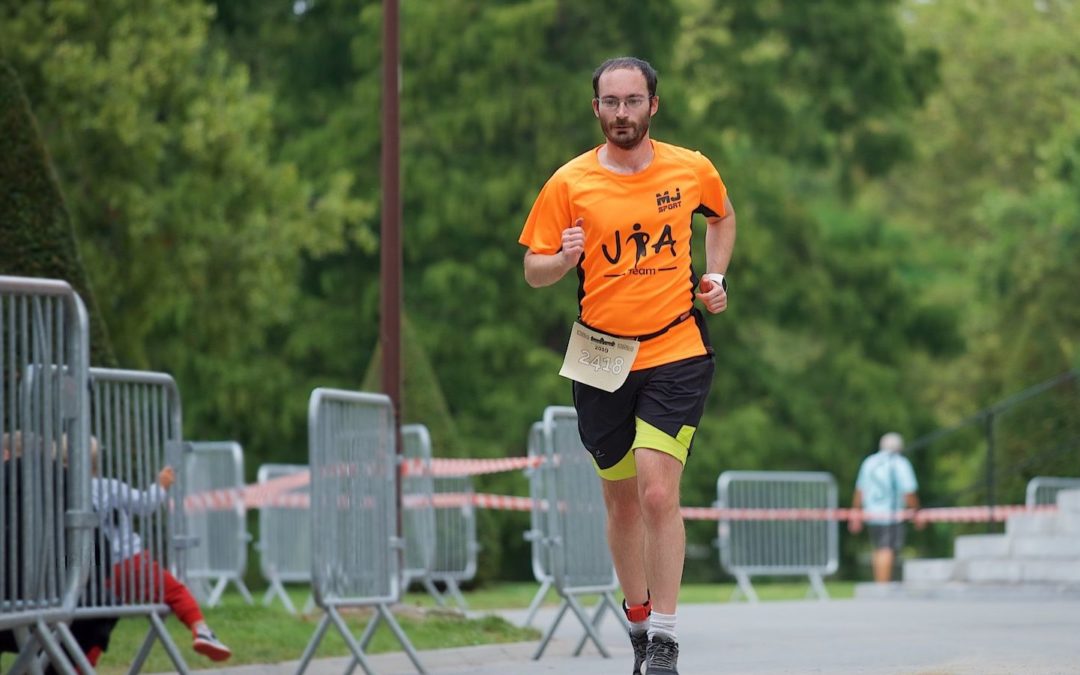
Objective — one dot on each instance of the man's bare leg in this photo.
(882, 562)
(626, 538)
(658, 476)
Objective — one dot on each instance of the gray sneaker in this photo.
(663, 657)
(640, 643)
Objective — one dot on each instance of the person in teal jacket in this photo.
(886, 486)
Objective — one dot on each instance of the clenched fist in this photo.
(713, 292)
(573, 243)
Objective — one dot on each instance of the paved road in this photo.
(927, 637)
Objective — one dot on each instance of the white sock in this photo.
(639, 627)
(662, 625)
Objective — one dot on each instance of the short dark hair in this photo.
(625, 63)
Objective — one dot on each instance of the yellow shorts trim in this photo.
(625, 468)
(648, 436)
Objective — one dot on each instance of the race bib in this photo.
(598, 360)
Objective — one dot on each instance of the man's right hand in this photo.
(573, 243)
(544, 269)
(854, 525)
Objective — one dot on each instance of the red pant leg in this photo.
(142, 579)
(181, 601)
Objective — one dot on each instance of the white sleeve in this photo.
(116, 494)
(860, 482)
(907, 482)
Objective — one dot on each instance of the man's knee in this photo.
(658, 501)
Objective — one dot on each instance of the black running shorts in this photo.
(890, 535)
(657, 408)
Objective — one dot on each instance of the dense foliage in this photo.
(37, 239)
(905, 176)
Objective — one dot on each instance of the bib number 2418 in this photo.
(598, 359)
(607, 364)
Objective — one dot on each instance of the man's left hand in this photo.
(712, 294)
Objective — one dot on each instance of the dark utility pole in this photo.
(390, 301)
(390, 305)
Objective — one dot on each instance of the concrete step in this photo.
(1028, 524)
(958, 590)
(1065, 570)
(875, 591)
(1068, 523)
(1069, 500)
(1050, 547)
(933, 570)
(994, 571)
(1017, 547)
(972, 546)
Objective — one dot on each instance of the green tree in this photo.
(496, 97)
(36, 234)
(226, 164)
(1008, 81)
(191, 229)
(992, 145)
(828, 83)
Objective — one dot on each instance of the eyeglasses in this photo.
(632, 102)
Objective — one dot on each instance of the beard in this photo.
(627, 133)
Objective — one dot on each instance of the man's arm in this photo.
(720, 240)
(854, 522)
(911, 501)
(545, 269)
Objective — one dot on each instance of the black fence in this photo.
(1035, 432)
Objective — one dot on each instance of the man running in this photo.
(639, 355)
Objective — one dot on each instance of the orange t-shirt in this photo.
(635, 277)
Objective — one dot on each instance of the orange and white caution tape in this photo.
(949, 514)
(467, 467)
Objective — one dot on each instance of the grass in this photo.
(518, 595)
(260, 634)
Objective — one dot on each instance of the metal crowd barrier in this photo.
(418, 513)
(136, 424)
(576, 523)
(354, 499)
(1042, 490)
(45, 508)
(536, 535)
(284, 553)
(219, 555)
(777, 547)
(455, 535)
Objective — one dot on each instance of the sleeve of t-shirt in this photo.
(550, 215)
(713, 190)
(116, 494)
(860, 482)
(906, 478)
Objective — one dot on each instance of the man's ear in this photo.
(596, 108)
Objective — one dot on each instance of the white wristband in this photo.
(716, 278)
